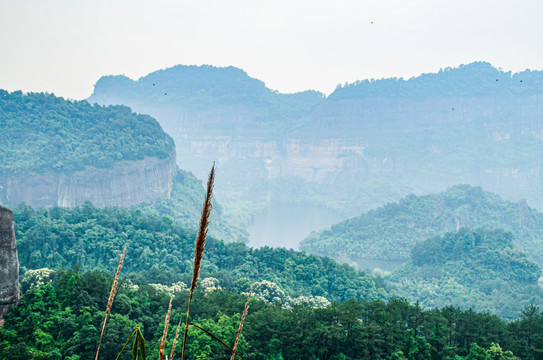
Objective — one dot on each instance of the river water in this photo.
(286, 225)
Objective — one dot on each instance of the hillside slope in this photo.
(389, 233)
(471, 269)
(160, 251)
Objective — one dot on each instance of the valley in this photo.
(393, 196)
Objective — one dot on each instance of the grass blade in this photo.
(216, 338)
(126, 343)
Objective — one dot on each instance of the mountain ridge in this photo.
(367, 143)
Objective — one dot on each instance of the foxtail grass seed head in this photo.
(241, 323)
(199, 244)
(110, 300)
(165, 334)
(175, 338)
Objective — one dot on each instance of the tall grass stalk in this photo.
(199, 246)
(241, 323)
(110, 300)
(166, 322)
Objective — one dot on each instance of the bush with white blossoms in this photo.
(173, 289)
(36, 278)
(268, 291)
(209, 284)
(316, 302)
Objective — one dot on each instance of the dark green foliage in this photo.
(42, 132)
(61, 320)
(390, 232)
(471, 269)
(160, 251)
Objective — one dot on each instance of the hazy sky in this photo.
(64, 46)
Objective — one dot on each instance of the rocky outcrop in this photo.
(126, 183)
(9, 263)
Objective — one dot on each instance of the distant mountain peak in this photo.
(203, 88)
(473, 79)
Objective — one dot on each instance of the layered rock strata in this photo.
(125, 184)
(9, 263)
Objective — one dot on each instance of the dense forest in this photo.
(391, 231)
(65, 255)
(61, 313)
(42, 132)
(160, 251)
(479, 269)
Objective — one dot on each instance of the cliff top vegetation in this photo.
(42, 132)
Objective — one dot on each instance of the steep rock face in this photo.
(9, 263)
(474, 124)
(124, 184)
(491, 142)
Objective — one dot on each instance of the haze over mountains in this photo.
(368, 143)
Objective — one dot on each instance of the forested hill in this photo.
(184, 206)
(471, 80)
(160, 251)
(43, 132)
(391, 231)
(471, 269)
(197, 88)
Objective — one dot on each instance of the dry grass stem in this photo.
(110, 300)
(166, 322)
(175, 338)
(202, 231)
(199, 246)
(241, 323)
